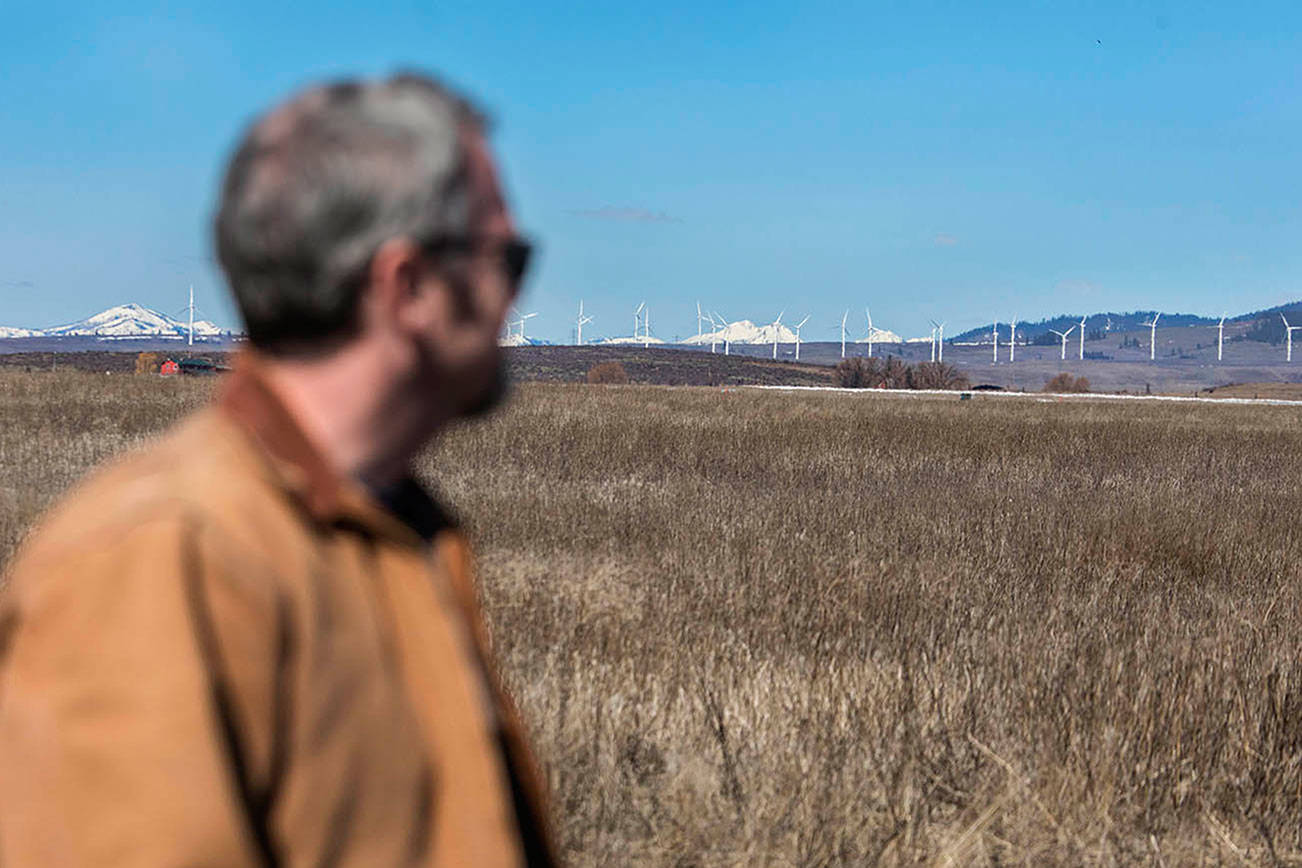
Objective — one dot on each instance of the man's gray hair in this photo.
(318, 184)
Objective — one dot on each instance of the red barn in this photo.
(168, 368)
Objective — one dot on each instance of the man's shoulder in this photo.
(203, 472)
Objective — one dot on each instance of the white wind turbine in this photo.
(637, 319)
(699, 317)
(1082, 337)
(580, 323)
(797, 328)
(191, 310)
(1152, 336)
(519, 323)
(869, 314)
(1289, 329)
(937, 341)
(727, 337)
(1220, 338)
(1063, 335)
(1012, 340)
(994, 340)
(777, 324)
(714, 331)
(646, 328)
(844, 317)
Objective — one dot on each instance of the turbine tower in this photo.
(1082, 338)
(520, 322)
(727, 338)
(637, 319)
(191, 338)
(777, 323)
(1063, 335)
(1012, 340)
(714, 331)
(699, 317)
(937, 341)
(580, 323)
(798, 325)
(646, 328)
(1288, 330)
(994, 339)
(844, 317)
(1220, 338)
(868, 313)
(1152, 336)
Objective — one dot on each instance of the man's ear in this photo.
(395, 281)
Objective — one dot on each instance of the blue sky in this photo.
(927, 159)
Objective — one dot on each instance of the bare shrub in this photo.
(859, 373)
(937, 375)
(1066, 383)
(608, 374)
(147, 363)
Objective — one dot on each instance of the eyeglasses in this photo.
(513, 253)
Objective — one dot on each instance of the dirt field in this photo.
(764, 628)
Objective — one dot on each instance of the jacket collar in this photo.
(248, 399)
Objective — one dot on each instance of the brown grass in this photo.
(760, 628)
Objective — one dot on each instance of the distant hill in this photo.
(1100, 324)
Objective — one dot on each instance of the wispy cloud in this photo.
(1077, 287)
(17, 284)
(944, 239)
(623, 214)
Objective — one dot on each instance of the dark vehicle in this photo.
(199, 367)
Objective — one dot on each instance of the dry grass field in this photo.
(820, 629)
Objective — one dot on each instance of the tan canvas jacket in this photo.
(218, 652)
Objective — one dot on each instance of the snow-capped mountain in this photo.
(882, 336)
(631, 341)
(745, 332)
(123, 321)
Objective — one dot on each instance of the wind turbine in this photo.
(519, 323)
(727, 338)
(1082, 337)
(868, 313)
(714, 331)
(1220, 338)
(699, 316)
(1063, 335)
(994, 339)
(1288, 329)
(938, 341)
(1012, 340)
(191, 309)
(580, 323)
(1152, 336)
(646, 328)
(637, 319)
(798, 325)
(844, 317)
(777, 324)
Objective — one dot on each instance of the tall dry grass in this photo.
(756, 628)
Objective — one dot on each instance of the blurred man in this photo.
(257, 642)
